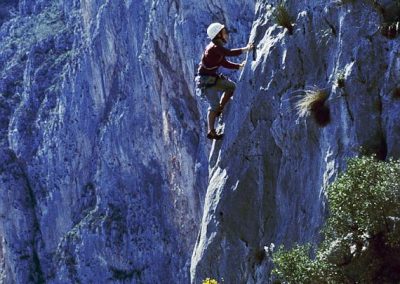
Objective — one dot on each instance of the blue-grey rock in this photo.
(269, 174)
(103, 139)
(106, 175)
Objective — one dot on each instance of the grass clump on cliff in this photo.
(362, 232)
(314, 103)
(340, 79)
(283, 18)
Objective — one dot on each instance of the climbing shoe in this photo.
(213, 135)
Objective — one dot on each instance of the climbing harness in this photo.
(205, 81)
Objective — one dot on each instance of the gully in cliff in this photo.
(209, 82)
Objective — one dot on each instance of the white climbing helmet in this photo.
(214, 29)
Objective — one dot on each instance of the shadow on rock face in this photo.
(390, 10)
(321, 113)
(322, 116)
(396, 93)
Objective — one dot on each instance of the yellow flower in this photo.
(210, 281)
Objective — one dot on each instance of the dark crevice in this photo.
(113, 97)
(322, 115)
(38, 271)
(348, 109)
(333, 29)
(382, 149)
(378, 148)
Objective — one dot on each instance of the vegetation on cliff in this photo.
(362, 234)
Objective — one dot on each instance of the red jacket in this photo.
(214, 57)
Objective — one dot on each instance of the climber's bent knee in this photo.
(226, 85)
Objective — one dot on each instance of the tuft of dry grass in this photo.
(283, 18)
(314, 103)
(313, 99)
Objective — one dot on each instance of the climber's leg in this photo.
(227, 87)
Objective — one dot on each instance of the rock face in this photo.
(103, 155)
(104, 163)
(268, 175)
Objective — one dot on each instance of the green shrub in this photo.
(363, 198)
(296, 266)
(362, 235)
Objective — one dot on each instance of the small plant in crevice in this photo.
(283, 18)
(314, 103)
(340, 80)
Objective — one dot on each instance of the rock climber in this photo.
(211, 83)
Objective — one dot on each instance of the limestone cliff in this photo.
(103, 158)
(268, 175)
(104, 161)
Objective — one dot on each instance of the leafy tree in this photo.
(362, 232)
